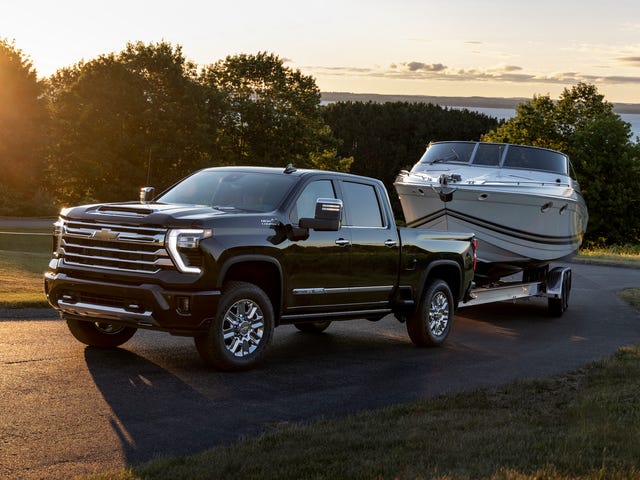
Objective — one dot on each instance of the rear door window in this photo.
(362, 205)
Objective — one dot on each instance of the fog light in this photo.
(184, 304)
(135, 307)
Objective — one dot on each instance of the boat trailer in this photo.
(556, 287)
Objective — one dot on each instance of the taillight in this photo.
(474, 243)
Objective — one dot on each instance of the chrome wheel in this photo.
(438, 314)
(238, 335)
(243, 327)
(430, 324)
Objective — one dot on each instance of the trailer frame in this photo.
(556, 287)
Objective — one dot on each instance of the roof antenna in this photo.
(290, 169)
(149, 168)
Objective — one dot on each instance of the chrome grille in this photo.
(114, 247)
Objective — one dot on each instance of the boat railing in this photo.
(517, 182)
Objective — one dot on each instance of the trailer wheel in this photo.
(431, 323)
(241, 331)
(557, 306)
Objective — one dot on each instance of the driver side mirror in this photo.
(328, 216)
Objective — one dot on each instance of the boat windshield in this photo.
(493, 155)
(532, 158)
(446, 152)
(231, 190)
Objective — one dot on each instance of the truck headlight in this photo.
(184, 247)
(58, 230)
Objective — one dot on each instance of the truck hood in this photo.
(135, 213)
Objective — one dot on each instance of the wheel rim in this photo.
(243, 328)
(439, 314)
(108, 328)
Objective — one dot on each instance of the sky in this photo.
(494, 48)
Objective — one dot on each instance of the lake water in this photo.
(507, 113)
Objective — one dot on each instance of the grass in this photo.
(23, 260)
(626, 255)
(585, 425)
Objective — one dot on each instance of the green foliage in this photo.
(271, 113)
(384, 138)
(23, 129)
(121, 120)
(147, 116)
(607, 163)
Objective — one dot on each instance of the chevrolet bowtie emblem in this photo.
(105, 235)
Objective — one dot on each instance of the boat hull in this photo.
(517, 227)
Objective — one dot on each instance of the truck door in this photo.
(375, 247)
(317, 270)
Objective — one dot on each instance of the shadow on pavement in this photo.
(154, 412)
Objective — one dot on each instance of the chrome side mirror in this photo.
(328, 216)
(147, 194)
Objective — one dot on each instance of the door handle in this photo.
(390, 243)
(342, 242)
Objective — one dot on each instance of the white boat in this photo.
(522, 203)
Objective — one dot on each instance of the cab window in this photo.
(362, 206)
(305, 206)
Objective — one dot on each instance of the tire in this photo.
(313, 327)
(430, 324)
(241, 330)
(557, 306)
(99, 334)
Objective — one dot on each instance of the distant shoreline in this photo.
(480, 102)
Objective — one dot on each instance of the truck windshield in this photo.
(231, 190)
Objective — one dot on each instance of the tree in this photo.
(384, 138)
(583, 125)
(271, 114)
(23, 132)
(122, 120)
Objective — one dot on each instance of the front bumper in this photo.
(151, 306)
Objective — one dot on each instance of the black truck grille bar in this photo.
(115, 247)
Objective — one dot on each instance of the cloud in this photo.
(434, 67)
(512, 68)
(419, 71)
(633, 61)
(505, 68)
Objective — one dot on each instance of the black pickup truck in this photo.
(229, 253)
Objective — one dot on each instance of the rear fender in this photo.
(447, 270)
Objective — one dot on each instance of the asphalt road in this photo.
(67, 409)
